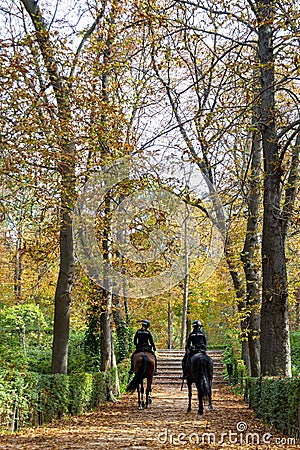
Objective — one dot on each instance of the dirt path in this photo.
(165, 425)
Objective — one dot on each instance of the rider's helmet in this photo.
(146, 323)
(197, 324)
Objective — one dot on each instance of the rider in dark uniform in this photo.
(143, 341)
(196, 343)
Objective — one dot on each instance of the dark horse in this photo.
(143, 366)
(200, 372)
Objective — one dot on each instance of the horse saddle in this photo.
(198, 349)
(145, 348)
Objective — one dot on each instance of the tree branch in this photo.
(86, 36)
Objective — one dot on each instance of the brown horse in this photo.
(200, 372)
(143, 366)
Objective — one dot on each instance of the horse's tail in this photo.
(139, 376)
(204, 376)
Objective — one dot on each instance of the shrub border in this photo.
(276, 401)
(30, 399)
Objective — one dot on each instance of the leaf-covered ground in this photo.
(165, 425)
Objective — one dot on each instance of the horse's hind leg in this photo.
(190, 397)
(148, 391)
(139, 397)
(147, 398)
(142, 392)
(200, 399)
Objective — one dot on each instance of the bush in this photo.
(238, 371)
(53, 396)
(18, 399)
(276, 401)
(39, 360)
(80, 393)
(99, 391)
(295, 350)
(28, 398)
(77, 360)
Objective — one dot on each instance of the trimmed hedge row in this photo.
(28, 398)
(277, 402)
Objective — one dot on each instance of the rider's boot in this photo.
(155, 368)
(184, 366)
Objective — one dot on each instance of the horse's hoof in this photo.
(150, 401)
(210, 407)
(200, 413)
(140, 407)
(189, 410)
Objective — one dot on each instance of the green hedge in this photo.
(276, 401)
(295, 352)
(28, 398)
(19, 396)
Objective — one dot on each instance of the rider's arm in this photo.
(151, 341)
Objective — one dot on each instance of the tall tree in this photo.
(275, 343)
(251, 243)
(67, 171)
(61, 86)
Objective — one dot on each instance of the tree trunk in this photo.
(67, 170)
(18, 266)
(169, 344)
(275, 344)
(115, 390)
(184, 313)
(297, 310)
(185, 288)
(121, 328)
(93, 331)
(106, 344)
(105, 331)
(240, 296)
(62, 297)
(253, 298)
(105, 296)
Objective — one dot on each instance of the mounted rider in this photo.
(196, 343)
(143, 342)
